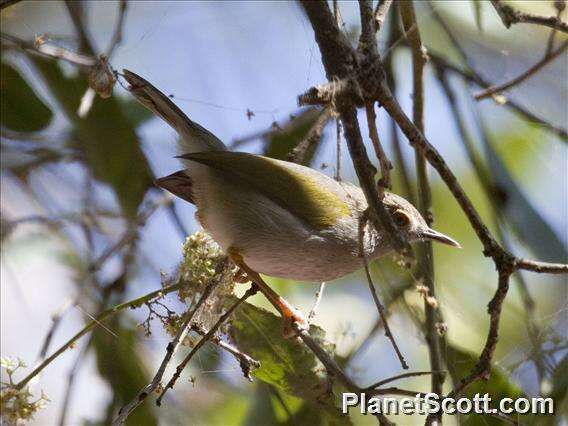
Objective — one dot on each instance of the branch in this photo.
(560, 5)
(338, 59)
(40, 47)
(483, 368)
(71, 381)
(319, 295)
(135, 303)
(381, 12)
(541, 267)
(117, 35)
(490, 91)
(338, 149)
(7, 3)
(367, 83)
(401, 376)
(301, 152)
(425, 252)
(393, 36)
(208, 336)
(246, 362)
(472, 76)
(510, 16)
(172, 347)
(331, 366)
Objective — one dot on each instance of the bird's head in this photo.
(411, 223)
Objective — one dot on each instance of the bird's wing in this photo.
(194, 138)
(306, 193)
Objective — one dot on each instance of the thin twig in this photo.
(493, 90)
(378, 304)
(337, 61)
(319, 295)
(337, 14)
(93, 324)
(303, 152)
(55, 321)
(511, 16)
(334, 370)
(42, 48)
(541, 267)
(338, 150)
(560, 6)
(208, 336)
(381, 12)
(7, 3)
(172, 347)
(393, 35)
(425, 253)
(486, 181)
(401, 376)
(77, 14)
(117, 35)
(132, 232)
(71, 382)
(246, 362)
(472, 76)
(335, 48)
(384, 163)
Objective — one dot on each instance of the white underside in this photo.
(269, 238)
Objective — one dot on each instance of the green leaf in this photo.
(280, 143)
(286, 364)
(106, 138)
(20, 108)
(498, 386)
(120, 364)
(520, 213)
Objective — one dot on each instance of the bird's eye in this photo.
(401, 218)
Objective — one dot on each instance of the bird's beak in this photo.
(431, 234)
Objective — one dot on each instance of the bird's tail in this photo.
(193, 137)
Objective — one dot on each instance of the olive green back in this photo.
(298, 191)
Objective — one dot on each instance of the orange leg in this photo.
(290, 315)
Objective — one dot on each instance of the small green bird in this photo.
(275, 217)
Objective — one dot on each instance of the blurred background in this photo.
(74, 188)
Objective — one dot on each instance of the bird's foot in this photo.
(241, 277)
(293, 319)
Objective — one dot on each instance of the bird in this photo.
(274, 217)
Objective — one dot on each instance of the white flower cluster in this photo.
(17, 405)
